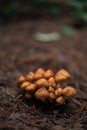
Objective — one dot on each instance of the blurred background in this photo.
(43, 26)
(13, 9)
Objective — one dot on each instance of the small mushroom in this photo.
(49, 73)
(42, 94)
(25, 84)
(41, 83)
(39, 73)
(60, 100)
(69, 91)
(58, 92)
(30, 77)
(51, 89)
(51, 82)
(31, 87)
(21, 79)
(62, 75)
(52, 96)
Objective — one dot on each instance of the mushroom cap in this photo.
(30, 76)
(62, 75)
(51, 89)
(69, 91)
(49, 73)
(39, 73)
(25, 84)
(52, 96)
(31, 87)
(60, 100)
(42, 94)
(58, 92)
(41, 83)
(40, 70)
(21, 79)
(51, 82)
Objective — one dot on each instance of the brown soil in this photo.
(21, 53)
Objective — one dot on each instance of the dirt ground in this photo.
(21, 53)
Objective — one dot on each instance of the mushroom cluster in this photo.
(47, 86)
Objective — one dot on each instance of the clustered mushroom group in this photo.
(47, 86)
